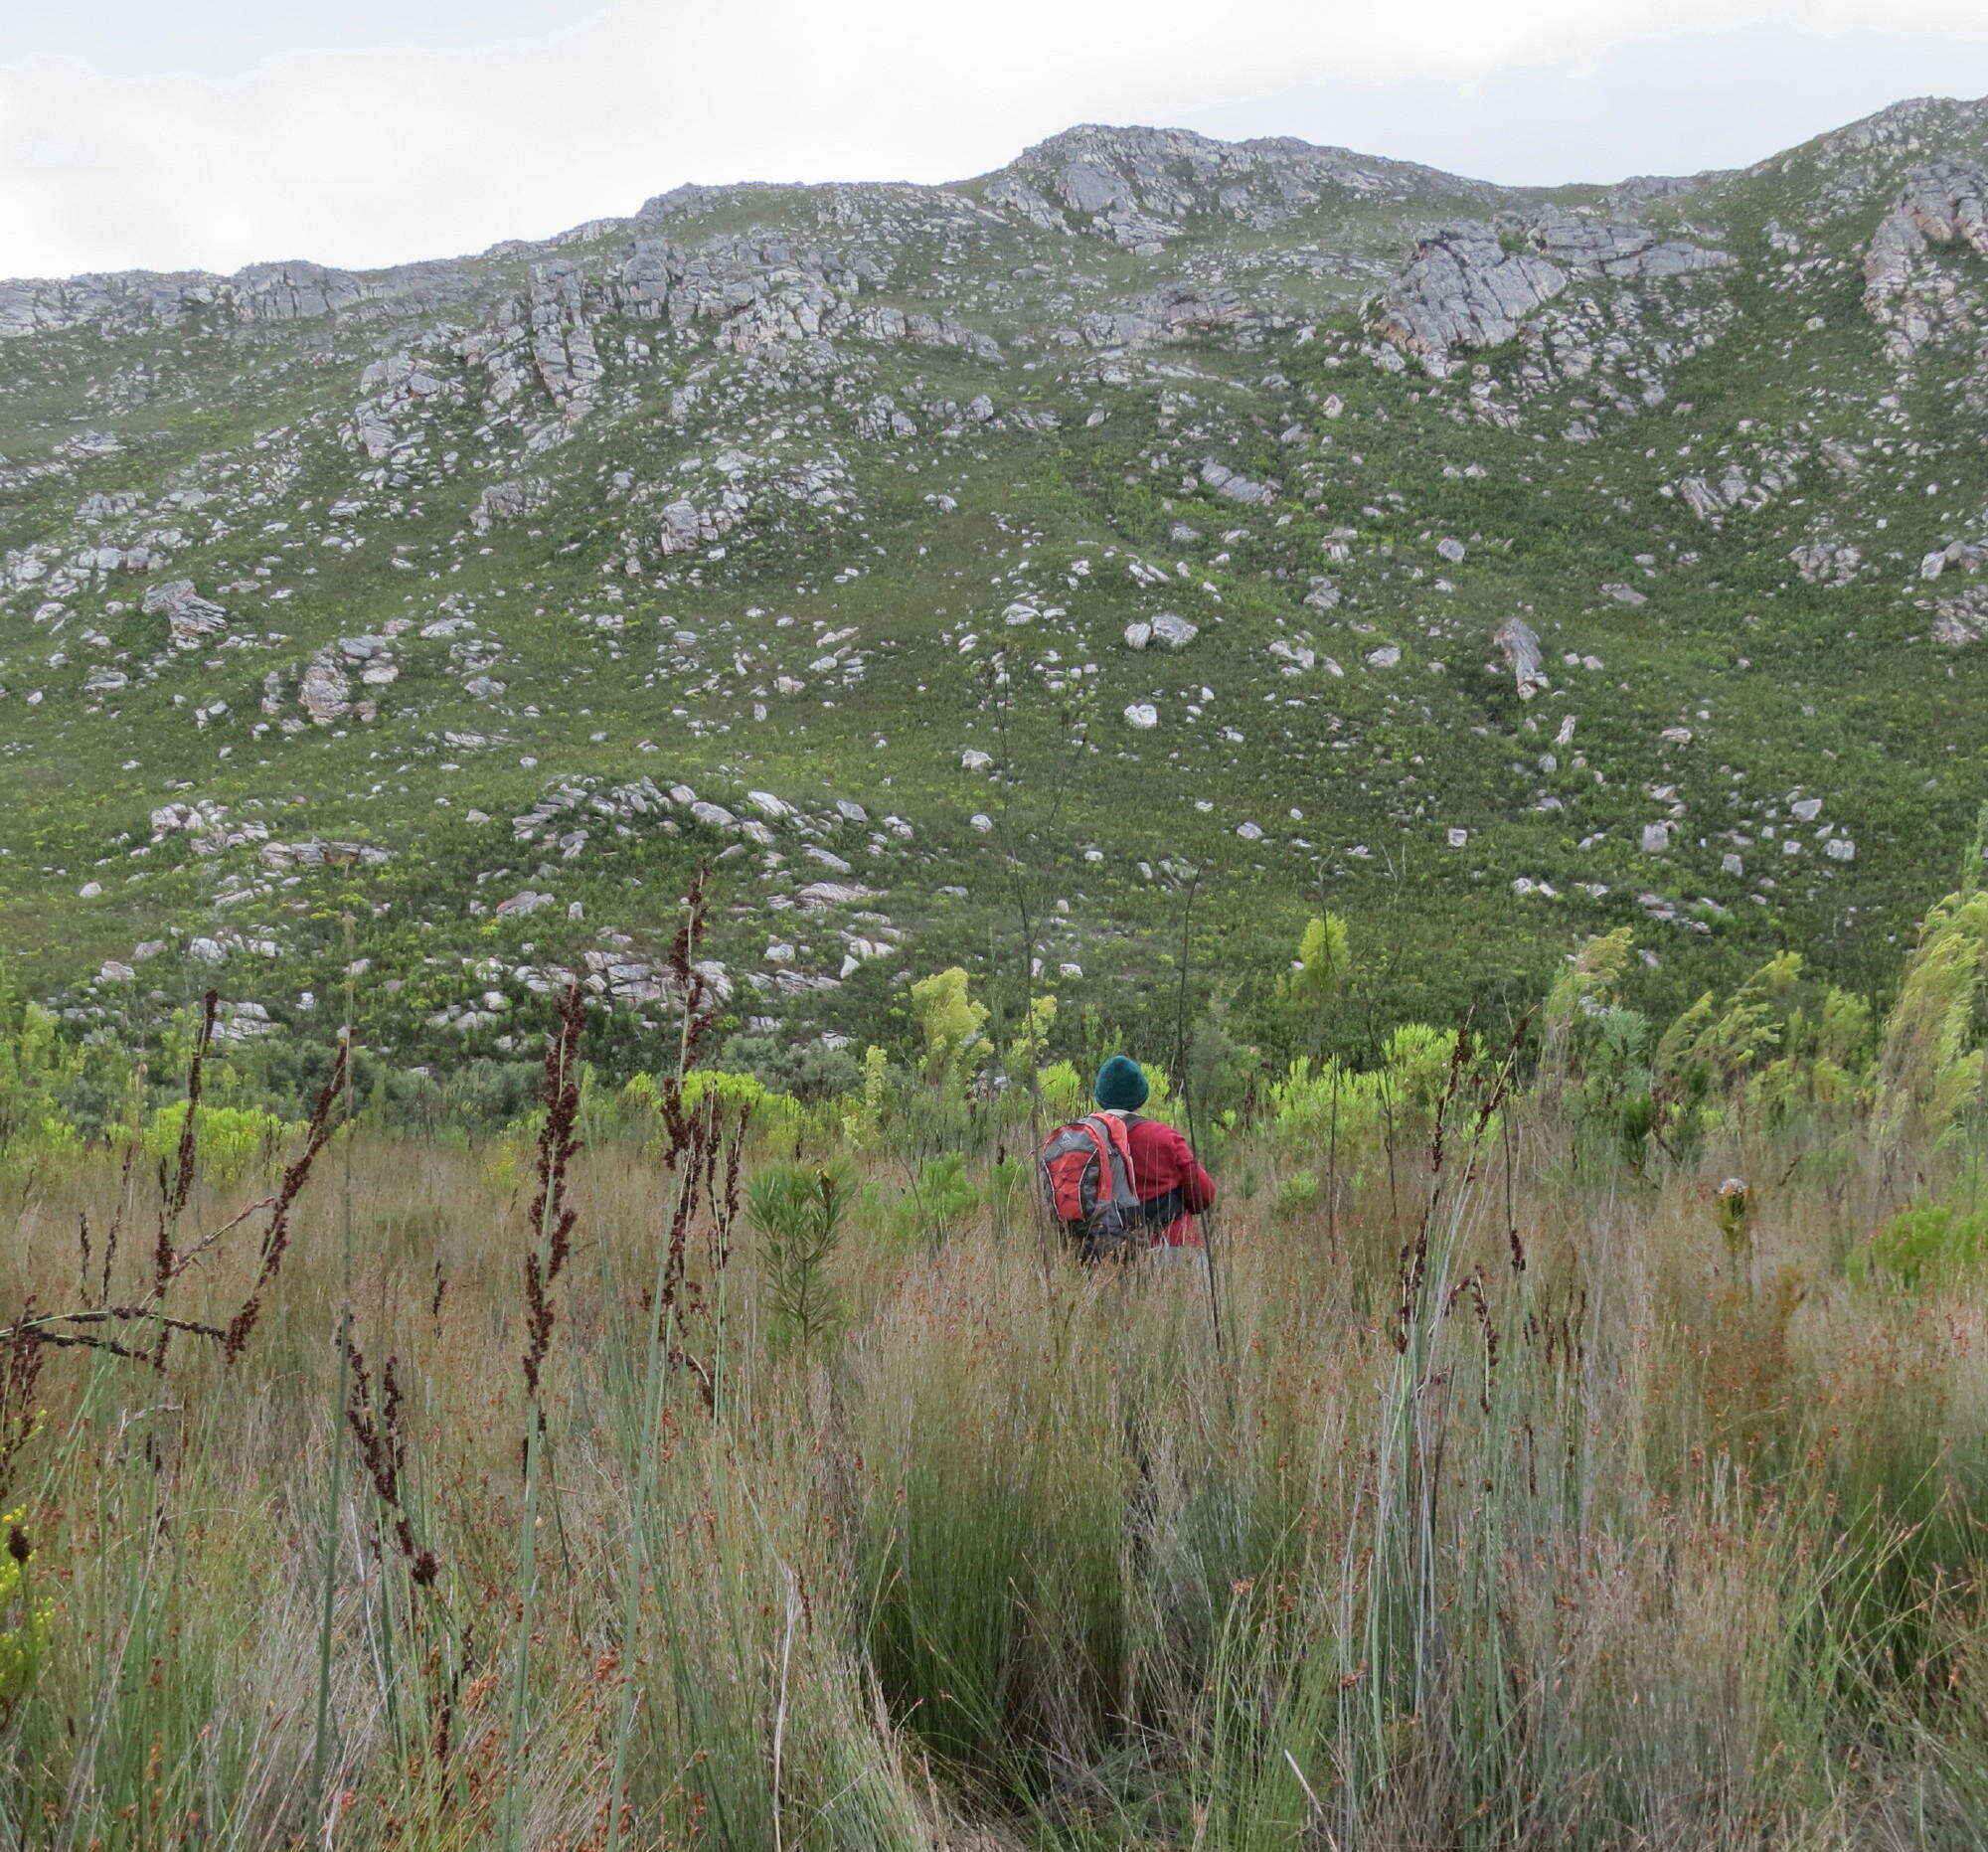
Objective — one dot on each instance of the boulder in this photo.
(189, 617)
(1521, 644)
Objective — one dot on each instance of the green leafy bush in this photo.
(1926, 1244)
(1298, 1194)
(230, 1141)
(942, 1196)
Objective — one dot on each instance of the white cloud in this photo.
(216, 132)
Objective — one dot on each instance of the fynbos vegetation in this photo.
(1575, 1442)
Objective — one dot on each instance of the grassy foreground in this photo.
(1502, 1483)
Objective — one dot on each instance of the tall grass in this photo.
(1496, 1513)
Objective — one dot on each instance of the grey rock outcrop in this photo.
(1470, 285)
(509, 501)
(188, 617)
(1611, 248)
(1234, 486)
(1961, 618)
(1462, 289)
(1941, 204)
(131, 301)
(1826, 562)
(1138, 186)
(1521, 645)
(1165, 314)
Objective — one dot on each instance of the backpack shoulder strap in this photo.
(1114, 1146)
(1113, 1129)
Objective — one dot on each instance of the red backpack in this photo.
(1086, 1172)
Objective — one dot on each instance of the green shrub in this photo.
(1924, 1245)
(810, 1072)
(941, 1196)
(1298, 1194)
(796, 1212)
(229, 1141)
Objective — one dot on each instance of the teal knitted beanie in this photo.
(1121, 1083)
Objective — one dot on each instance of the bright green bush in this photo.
(950, 1022)
(642, 1100)
(230, 1141)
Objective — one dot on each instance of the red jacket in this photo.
(1163, 1166)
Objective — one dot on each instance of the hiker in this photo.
(1122, 1184)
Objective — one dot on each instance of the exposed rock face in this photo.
(1966, 556)
(1711, 497)
(1963, 618)
(540, 348)
(1160, 314)
(1471, 284)
(751, 291)
(1612, 249)
(188, 617)
(562, 347)
(1136, 186)
(1463, 289)
(745, 486)
(397, 391)
(1826, 562)
(290, 857)
(324, 687)
(1168, 630)
(507, 501)
(325, 690)
(129, 301)
(1521, 644)
(1941, 204)
(1233, 485)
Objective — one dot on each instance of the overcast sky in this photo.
(211, 134)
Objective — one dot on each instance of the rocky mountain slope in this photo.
(958, 567)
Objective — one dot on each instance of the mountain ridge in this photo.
(1256, 144)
